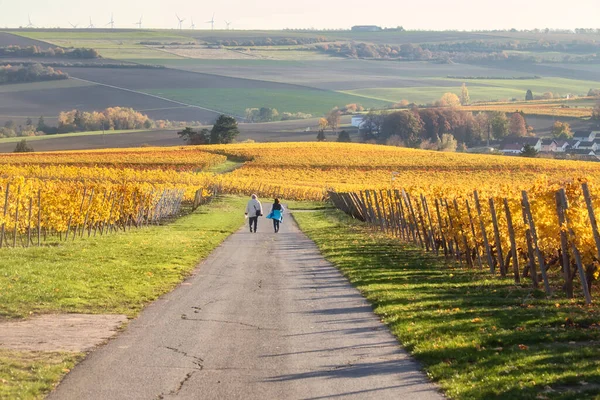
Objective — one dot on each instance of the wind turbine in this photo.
(228, 24)
(212, 22)
(139, 23)
(180, 24)
(74, 26)
(91, 25)
(192, 26)
(30, 25)
(112, 22)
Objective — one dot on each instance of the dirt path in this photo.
(264, 317)
(59, 332)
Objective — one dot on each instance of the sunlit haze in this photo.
(318, 14)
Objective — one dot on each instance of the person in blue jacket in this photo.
(276, 214)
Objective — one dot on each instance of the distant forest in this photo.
(469, 52)
(53, 52)
(29, 73)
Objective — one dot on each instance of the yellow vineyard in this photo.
(82, 193)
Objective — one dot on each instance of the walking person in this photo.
(253, 211)
(276, 214)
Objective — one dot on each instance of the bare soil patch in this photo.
(59, 332)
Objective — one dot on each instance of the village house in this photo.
(585, 135)
(562, 146)
(548, 146)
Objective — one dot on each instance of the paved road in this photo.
(264, 317)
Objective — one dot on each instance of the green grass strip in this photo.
(31, 375)
(479, 337)
(113, 274)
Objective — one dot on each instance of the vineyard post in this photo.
(441, 228)
(16, 217)
(592, 216)
(76, 233)
(110, 214)
(410, 237)
(87, 214)
(374, 222)
(486, 243)
(474, 235)
(393, 219)
(365, 201)
(379, 214)
(415, 223)
(451, 224)
(578, 262)
(359, 206)
(4, 214)
(539, 254)
(464, 236)
(513, 242)
(29, 221)
(403, 222)
(497, 238)
(564, 245)
(39, 217)
(431, 228)
(530, 269)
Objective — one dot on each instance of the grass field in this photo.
(236, 100)
(481, 89)
(114, 274)
(479, 338)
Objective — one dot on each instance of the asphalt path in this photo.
(263, 317)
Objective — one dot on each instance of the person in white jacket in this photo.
(253, 211)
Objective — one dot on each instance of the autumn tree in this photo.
(464, 95)
(448, 100)
(517, 125)
(562, 130)
(529, 95)
(447, 143)
(333, 119)
(404, 124)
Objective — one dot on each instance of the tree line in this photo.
(412, 52)
(282, 41)
(429, 127)
(224, 131)
(59, 52)
(29, 73)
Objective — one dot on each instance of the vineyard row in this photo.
(517, 237)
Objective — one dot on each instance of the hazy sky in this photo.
(272, 14)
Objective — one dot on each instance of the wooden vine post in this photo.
(564, 245)
(534, 236)
(513, 242)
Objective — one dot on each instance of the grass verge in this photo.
(30, 375)
(478, 337)
(115, 274)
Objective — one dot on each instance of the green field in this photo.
(236, 100)
(481, 89)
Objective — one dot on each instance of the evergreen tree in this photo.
(529, 151)
(23, 147)
(41, 126)
(224, 130)
(344, 136)
(529, 95)
(321, 136)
